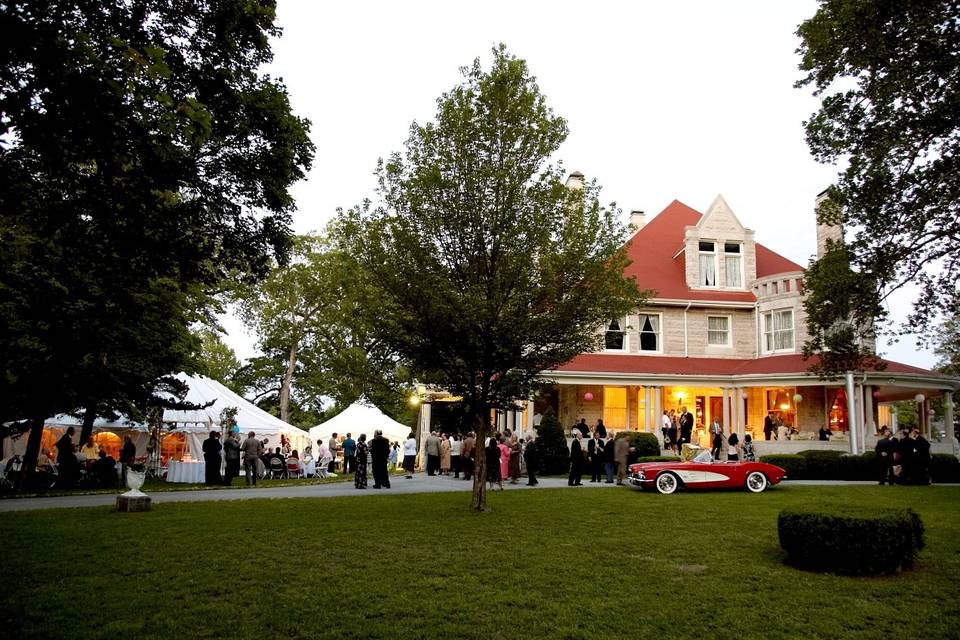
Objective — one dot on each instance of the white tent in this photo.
(194, 424)
(361, 417)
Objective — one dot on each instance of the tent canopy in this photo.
(361, 417)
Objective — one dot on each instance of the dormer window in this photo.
(733, 264)
(615, 337)
(708, 264)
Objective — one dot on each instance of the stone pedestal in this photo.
(127, 503)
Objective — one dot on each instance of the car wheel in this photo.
(756, 482)
(667, 483)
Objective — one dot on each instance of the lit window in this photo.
(778, 330)
(649, 332)
(708, 265)
(718, 330)
(615, 338)
(733, 264)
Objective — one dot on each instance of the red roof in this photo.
(785, 364)
(652, 250)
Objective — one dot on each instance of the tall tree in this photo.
(217, 359)
(947, 345)
(145, 159)
(888, 75)
(490, 270)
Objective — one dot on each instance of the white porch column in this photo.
(646, 408)
(868, 409)
(948, 416)
(726, 409)
(528, 427)
(741, 412)
(851, 414)
(424, 432)
(655, 392)
(627, 410)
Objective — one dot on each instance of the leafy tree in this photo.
(489, 269)
(947, 345)
(217, 359)
(886, 72)
(145, 161)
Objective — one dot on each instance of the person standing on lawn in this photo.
(360, 468)
(456, 446)
(445, 455)
(67, 463)
(251, 450)
(409, 454)
(212, 460)
(333, 447)
(921, 459)
(665, 423)
(504, 457)
(231, 458)
(672, 432)
(467, 451)
(432, 448)
(379, 452)
(576, 460)
(531, 456)
(349, 454)
(394, 456)
(621, 450)
(127, 455)
(516, 450)
(492, 453)
(609, 458)
(884, 451)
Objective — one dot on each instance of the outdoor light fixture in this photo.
(797, 398)
(414, 399)
(919, 398)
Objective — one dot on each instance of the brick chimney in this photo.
(826, 231)
(575, 181)
(637, 220)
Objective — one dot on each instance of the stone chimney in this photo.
(825, 231)
(637, 220)
(575, 181)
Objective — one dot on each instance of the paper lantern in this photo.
(743, 394)
(919, 398)
(797, 398)
(588, 396)
(876, 393)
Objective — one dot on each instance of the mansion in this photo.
(723, 335)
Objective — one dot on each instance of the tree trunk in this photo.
(89, 416)
(479, 498)
(33, 447)
(287, 381)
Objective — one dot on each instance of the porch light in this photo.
(797, 398)
(785, 406)
(414, 399)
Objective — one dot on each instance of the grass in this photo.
(554, 563)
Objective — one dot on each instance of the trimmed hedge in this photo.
(851, 542)
(793, 464)
(945, 468)
(859, 467)
(822, 465)
(644, 444)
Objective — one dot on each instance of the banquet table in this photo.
(186, 471)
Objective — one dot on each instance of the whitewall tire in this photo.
(667, 483)
(756, 482)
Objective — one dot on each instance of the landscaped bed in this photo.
(542, 564)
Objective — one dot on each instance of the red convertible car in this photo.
(703, 473)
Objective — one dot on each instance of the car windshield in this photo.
(704, 457)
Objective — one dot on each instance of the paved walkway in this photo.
(420, 483)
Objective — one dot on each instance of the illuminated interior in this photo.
(615, 408)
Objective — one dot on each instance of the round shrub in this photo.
(859, 467)
(822, 465)
(851, 542)
(552, 443)
(644, 444)
(794, 465)
(945, 468)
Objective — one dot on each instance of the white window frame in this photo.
(626, 336)
(716, 266)
(729, 342)
(743, 283)
(769, 346)
(659, 334)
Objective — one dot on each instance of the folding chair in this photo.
(293, 468)
(277, 468)
(322, 465)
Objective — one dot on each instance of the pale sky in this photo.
(664, 100)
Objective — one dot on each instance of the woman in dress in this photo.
(444, 454)
(394, 455)
(360, 473)
(492, 458)
(504, 457)
(409, 454)
(514, 463)
(733, 447)
(748, 453)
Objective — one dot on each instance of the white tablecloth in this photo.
(309, 468)
(186, 471)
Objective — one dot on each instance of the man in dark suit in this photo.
(686, 427)
(231, 458)
(211, 459)
(576, 460)
(67, 464)
(531, 456)
(379, 452)
(767, 427)
(595, 452)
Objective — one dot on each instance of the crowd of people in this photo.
(602, 454)
(903, 458)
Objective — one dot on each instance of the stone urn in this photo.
(134, 500)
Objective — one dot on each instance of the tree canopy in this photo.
(489, 269)
(146, 159)
(888, 75)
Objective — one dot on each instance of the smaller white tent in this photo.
(361, 417)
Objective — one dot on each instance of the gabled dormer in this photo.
(719, 253)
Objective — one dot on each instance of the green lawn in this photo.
(542, 564)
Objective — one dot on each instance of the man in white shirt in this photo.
(665, 423)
